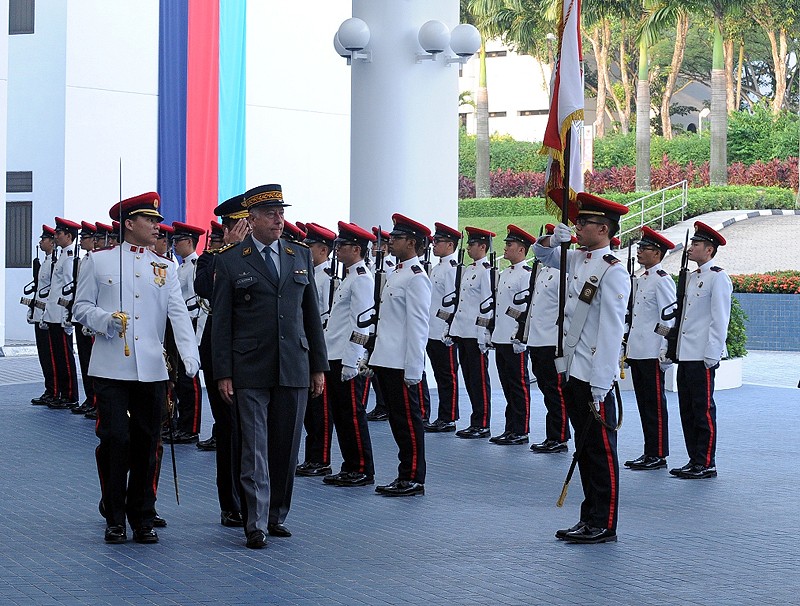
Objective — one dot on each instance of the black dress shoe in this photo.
(349, 478)
(472, 432)
(637, 461)
(401, 488)
(231, 519)
(182, 437)
(82, 409)
(550, 446)
(159, 522)
(377, 415)
(60, 404)
(562, 534)
(210, 444)
(590, 534)
(440, 426)
(278, 530)
(699, 472)
(256, 540)
(494, 439)
(92, 414)
(42, 400)
(310, 469)
(649, 463)
(115, 534)
(145, 534)
(676, 471)
(512, 439)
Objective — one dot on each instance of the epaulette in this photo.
(610, 259)
(69, 253)
(389, 263)
(327, 270)
(361, 270)
(416, 269)
(160, 256)
(527, 268)
(296, 242)
(717, 269)
(97, 250)
(662, 273)
(222, 249)
(453, 263)
(486, 264)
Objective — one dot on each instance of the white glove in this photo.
(484, 340)
(43, 325)
(561, 233)
(446, 338)
(192, 366)
(599, 393)
(115, 325)
(663, 361)
(69, 328)
(363, 369)
(348, 373)
(411, 382)
(710, 362)
(518, 346)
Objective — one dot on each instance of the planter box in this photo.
(728, 376)
(772, 321)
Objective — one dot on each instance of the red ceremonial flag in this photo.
(565, 121)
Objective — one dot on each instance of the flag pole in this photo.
(562, 273)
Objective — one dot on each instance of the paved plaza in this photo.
(483, 533)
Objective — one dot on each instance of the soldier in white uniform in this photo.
(57, 316)
(43, 346)
(131, 389)
(84, 337)
(380, 412)
(443, 356)
(399, 356)
(188, 390)
(318, 421)
(470, 334)
(347, 389)
(645, 350)
(701, 345)
(594, 319)
(512, 357)
(541, 339)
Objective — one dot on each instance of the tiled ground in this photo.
(483, 534)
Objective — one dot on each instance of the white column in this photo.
(404, 119)
(3, 145)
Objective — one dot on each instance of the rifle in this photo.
(335, 281)
(628, 314)
(380, 278)
(671, 333)
(451, 299)
(489, 304)
(525, 297)
(426, 259)
(68, 291)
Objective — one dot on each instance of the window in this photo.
(18, 234)
(19, 182)
(497, 114)
(534, 112)
(492, 54)
(20, 17)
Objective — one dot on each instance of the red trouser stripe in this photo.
(411, 433)
(157, 468)
(359, 444)
(659, 397)
(421, 399)
(454, 383)
(525, 390)
(197, 401)
(53, 364)
(708, 418)
(610, 461)
(563, 403)
(485, 394)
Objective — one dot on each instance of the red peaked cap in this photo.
(653, 238)
(707, 234)
(143, 204)
(405, 226)
(550, 228)
(445, 231)
(385, 235)
(557, 196)
(615, 242)
(216, 229)
(47, 232)
(114, 228)
(476, 234)
(103, 229)
(317, 234)
(88, 229)
(165, 230)
(517, 234)
(292, 232)
(68, 225)
(591, 205)
(350, 233)
(183, 230)
(302, 226)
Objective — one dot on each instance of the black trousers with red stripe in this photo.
(64, 360)
(129, 450)
(444, 361)
(597, 458)
(512, 368)
(190, 400)
(84, 343)
(424, 397)
(348, 402)
(551, 385)
(380, 402)
(698, 411)
(319, 428)
(475, 368)
(46, 359)
(405, 420)
(648, 385)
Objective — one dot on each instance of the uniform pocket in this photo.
(244, 345)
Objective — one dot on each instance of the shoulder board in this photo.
(361, 270)
(610, 259)
(486, 264)
(453, 262)
(389, 263)
(527, 268)
(194, 261)
(662, 273)
(222, 249)
(104, 248)
(295, 242)
(717, 269)
(160, 256)
(416, 269)
(69, 253)
(327, 270)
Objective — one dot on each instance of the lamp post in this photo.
(404, 138)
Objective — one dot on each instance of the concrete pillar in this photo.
(3, 145)
(404, 118)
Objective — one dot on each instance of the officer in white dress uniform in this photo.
(645, 351)
(380, 412)
(701, 345)
(399, 356)
(598, 290)
(131, 389)
(43, 347)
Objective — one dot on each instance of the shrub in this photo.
(761, 135)
(777, 282)
(505, 153)
(737, 335)
(501, 207)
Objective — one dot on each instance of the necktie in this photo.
(272, 271)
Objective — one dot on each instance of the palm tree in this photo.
(646, 39)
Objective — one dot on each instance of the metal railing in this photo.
(656, 201)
